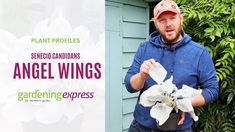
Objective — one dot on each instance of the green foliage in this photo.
(212, 24)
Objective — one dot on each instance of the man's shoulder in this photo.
(196, 45)
(145, 43)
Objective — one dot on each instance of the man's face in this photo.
(169, 26)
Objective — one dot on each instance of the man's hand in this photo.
(181, 119)
(137, 81)
(145, 67)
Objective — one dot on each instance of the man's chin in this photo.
(171, 39)
(168, 40)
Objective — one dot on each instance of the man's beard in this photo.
(170, 41)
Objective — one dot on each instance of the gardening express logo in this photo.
(48, 95)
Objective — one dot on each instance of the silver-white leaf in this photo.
(158, 73)
(165, 96)
(160, 112)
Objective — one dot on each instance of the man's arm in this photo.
(198, 101)
(207, 80)
(137, 80)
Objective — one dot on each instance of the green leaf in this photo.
(223, 73)
(218, 32)
(229, 68)
(224, 84)
(231, 45)
(218, 63)
(219, 76)
(225, 56)
(152, 19)
(230, 97)
(209, 30)
(212, 37)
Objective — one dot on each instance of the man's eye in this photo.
(161, 20)
(172, 18)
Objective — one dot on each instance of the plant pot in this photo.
(171, 122)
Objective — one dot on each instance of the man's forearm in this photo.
(198, 101)
(137, 81)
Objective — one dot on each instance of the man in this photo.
(188, 62)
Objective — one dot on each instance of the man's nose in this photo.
(168, 23)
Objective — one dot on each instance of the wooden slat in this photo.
(129, 105)
(134, 30)
(125, 130)
(115, 80)
(127, 59)
(114, 66)
(140, 3)
(112, 17)
(124, 71)
(134, 14)
(127, 95)
(127, 119)
(131, 44)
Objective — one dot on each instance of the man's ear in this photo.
(181, 19)
(155, 23)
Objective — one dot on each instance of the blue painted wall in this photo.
(127, 24)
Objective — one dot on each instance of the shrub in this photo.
(212, 24)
